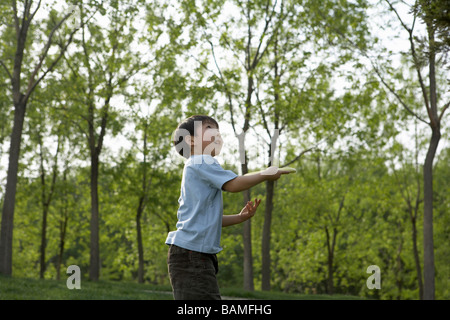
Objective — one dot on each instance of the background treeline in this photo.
(91, 92)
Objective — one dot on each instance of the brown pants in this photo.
(193, 274)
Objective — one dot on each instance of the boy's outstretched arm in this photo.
(242, 183)
(246, 213)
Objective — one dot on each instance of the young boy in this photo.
(192, 260)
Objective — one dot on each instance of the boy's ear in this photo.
(188, 139)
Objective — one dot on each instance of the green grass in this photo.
(31, 289)
(276, 295)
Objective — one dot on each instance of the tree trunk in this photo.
(62, 240)
(62, 226)
(399, 268)
(43, 240)
(428, 252)
(417, 259)
(330, 260)
(46, 200)
(139, 241)
(266, 236)
(247, 238)
(428, 245)
(6, 236)
(141, 207)
(94, 267)
(270, 185)
(95, 148)
(413, 217)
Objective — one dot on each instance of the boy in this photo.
(192, 260)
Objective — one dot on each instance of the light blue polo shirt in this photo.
(199, 225)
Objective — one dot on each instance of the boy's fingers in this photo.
(252, 207)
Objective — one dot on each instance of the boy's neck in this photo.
(201, 154)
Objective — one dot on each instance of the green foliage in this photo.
(152, 64)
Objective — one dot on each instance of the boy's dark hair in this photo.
(187, 127)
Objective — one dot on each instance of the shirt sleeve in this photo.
(212, 173)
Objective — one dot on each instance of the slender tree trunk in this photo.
(20, 106)
(95, 147)
(399, 269)
(139, 241)
(417, 259)
(270, 185)
(140, 209)
(62, 226)
(331, 246)
(248, 255)
(46, 200)
(62, 239)
(266, 261)
(6, 236)
(428, 252)
(44, 210)
(43, 241)
(413, 217)
(330, 249)
(247, 238)
(142, 203)
(428, 243)
(94, 267)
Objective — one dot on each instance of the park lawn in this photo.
(37, 289)
(277, 295)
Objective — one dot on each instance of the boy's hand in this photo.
(249, 210)
(275, 176)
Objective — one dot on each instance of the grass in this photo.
(276, 295)
(31, 289)
(37, 289)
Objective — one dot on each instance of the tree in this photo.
(100, 71)
(408, 179)
(297, 88)
(47, 195)
(23, 82)
(421, 54)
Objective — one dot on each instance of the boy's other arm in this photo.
(242, 183)
(246, 213)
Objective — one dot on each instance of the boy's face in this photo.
(207, 141)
